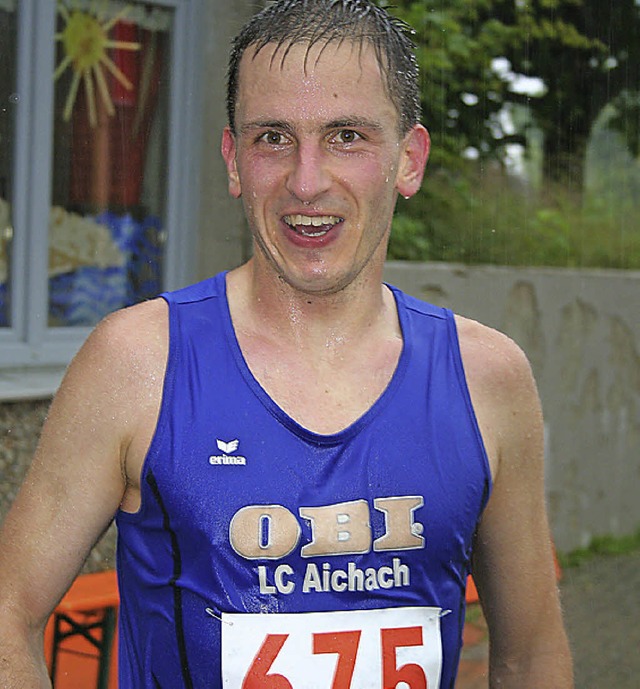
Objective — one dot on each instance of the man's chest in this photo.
(325, 395)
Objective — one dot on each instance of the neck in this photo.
(262, 302)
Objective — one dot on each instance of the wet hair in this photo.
(289, 22)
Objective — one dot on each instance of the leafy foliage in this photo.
(586, 52)
(474, 56)
(490, 218)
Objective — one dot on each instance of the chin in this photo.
(319, 283)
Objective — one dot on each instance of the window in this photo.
(7, 127)
(97, 210)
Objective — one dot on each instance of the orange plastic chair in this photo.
(84, 625)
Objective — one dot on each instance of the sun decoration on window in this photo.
(85, 39)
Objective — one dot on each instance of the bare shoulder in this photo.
(88, 458)
(491, 357)
(110, 396)
(512, 557)
(118, 373)
(501, 385)
(130, 342)
(141, 326)
(125, 356)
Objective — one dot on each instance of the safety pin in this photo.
(212, 613)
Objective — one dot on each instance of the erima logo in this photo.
(227, 458)
(229, 447)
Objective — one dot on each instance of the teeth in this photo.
(311, 220)
(313, 234)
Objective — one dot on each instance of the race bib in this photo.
(394, 648)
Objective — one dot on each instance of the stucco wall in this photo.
(20, 424)
(581, 332)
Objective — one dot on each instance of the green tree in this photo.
(586, 52)
(461, 93)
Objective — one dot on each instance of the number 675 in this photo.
(345, 646)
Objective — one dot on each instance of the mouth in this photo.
(312, 225)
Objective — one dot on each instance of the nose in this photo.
(308, 177)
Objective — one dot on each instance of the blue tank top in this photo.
(265, 555)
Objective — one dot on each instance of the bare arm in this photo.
(82, 469)
(513, 556)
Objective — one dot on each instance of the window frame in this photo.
(28, 341)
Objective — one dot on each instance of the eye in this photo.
(347, 136)
(273, 138)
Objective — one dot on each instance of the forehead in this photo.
(310, 80)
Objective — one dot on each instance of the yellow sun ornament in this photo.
(85, 40)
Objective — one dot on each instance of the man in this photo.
(302, 461)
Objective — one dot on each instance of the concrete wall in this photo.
(581, 332)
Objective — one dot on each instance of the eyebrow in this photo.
(356, 123)
(265, 124)
(341, 123)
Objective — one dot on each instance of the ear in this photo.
(228, 149)
(415, 153)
